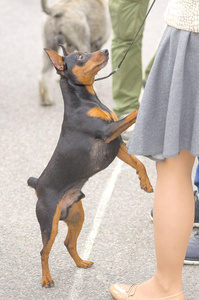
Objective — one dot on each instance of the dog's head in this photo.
(79, 67)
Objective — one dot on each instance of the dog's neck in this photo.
(88, 87)
(74, 94)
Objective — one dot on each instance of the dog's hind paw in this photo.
(84, 264)
(47, 283)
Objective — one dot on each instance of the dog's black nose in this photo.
(105, 51)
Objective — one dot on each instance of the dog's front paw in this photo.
(47, 282)
(145, 182)
(147, 187)
(84, 264)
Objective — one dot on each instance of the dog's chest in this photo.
(102, 154)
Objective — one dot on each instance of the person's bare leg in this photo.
(173, 221)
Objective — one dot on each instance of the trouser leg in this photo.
(126, 18)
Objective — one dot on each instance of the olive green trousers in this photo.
(126, 18)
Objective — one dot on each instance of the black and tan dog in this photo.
(89, 141)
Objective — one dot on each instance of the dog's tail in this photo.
(50, 11)
(45, 7)
(32, 181)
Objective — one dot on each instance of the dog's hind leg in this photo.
(75, 221)
(136, 164)
(48, 219)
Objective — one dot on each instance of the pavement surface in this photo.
(118, 233)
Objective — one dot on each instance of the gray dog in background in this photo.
(78, 25)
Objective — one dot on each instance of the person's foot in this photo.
(122, 291)
(127, 292)
(192, 255)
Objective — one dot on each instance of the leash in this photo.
(117, 68)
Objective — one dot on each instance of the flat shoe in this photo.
(126, 292)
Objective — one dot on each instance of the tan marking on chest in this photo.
(96, 112)
(114, 116)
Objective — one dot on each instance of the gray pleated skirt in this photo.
(168, 119)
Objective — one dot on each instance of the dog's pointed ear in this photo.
(65, 52)
(56, 59)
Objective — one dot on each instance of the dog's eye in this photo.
(80, 56)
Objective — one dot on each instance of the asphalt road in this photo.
(118, 233)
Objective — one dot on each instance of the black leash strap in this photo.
(116, 69)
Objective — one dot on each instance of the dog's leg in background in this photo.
(45, 81)
(44, 95)
(75, 221)
(136, 164)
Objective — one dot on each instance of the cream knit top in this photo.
(183, 14)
